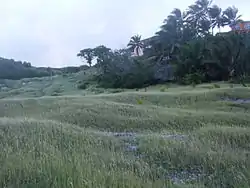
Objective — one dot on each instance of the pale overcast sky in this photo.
(51, 32)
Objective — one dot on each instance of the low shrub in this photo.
(116, 90)
(83, 85)
(162, 89)
(139, 101)
(97, 90)
(194, 78)
(216, 85)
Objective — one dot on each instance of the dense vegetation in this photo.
(11, 69)
(185, 50)
(15, 70)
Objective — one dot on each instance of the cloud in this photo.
(51, 32)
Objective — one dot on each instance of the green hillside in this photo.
(176, 116)
(15, 70)
(171, 137)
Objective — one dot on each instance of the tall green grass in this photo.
(49, 154)
(217, 161)
(63, 141)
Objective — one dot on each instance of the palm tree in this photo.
(230, 16)
(135, 44)
(215, 14)
(197, 15)
(173, 31)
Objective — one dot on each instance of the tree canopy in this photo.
(15, 70)
(186, 45)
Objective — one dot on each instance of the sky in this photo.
(51, 32)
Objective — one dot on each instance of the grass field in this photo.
(54, 135)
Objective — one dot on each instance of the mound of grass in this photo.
(234, 137)
(48, 154)
(113, 113)
(212, 165)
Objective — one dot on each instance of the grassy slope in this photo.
(55, 141)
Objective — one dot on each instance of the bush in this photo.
(243, 84)
(193, 84)
(122, 71)
(216, 85)
(162, 89)
(139, 101)
(83, 85)
(116, 90)
(55, 94)
(97, 90)
(15, 70)
(194, 79)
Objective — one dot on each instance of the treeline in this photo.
(184, 50)
(117, 68)
(11, 69)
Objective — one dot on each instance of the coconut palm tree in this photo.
(230, 16)
(198, 16)
(173, 31)
(135, 44)
(215, 14)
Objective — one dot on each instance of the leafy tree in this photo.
(102, 53)
(191, 59)
(123, 71)
(228, 50)
(26, 64)
(87, 54)
(11, 69)
(186, 46)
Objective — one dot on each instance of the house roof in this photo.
(243, 25)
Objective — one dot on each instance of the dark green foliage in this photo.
(121, 71)
(11, 69)
(185, 50)
(83, 85)
(162, 89)
(193, 78)
(15, 70)
(67, 70)
(216, 85)
(186, 39)
(87, 54)
(117, 90)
